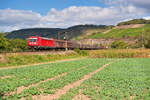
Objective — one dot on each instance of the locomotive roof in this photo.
(41, 37)
(47, 38)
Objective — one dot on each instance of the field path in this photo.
(69, 86)
(21, 66)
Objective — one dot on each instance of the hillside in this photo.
(25, 33)
(71, 32)
(129, 29)
(134, 21)
(124, 30)
(120, 32)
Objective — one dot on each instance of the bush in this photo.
(81, 52)
(17, 45)
(77, 50)
(12, 45)
(118, 45)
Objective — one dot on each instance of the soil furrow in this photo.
(81, 96)
(4, 77)
(20, 89)
(69, 86)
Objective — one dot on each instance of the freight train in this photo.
(36, 43)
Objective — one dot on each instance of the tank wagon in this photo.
(36, 42)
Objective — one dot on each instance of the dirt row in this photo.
(20, 89)
(63, 90)
(81, 96)
(66, 88)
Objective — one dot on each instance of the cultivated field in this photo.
(85, 79)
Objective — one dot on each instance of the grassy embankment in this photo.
(120, 53)
(17, 59)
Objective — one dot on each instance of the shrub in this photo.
(17, 45)
(12, 45)
(118, 45)
(81, 52)
(77, 50)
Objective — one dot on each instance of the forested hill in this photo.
(25, 33)
(78, 32)
(71, 32)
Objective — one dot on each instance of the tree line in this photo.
(12, 45)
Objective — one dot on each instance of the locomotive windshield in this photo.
(33, 40)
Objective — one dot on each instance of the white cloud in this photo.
(137, 3)
(17, 19)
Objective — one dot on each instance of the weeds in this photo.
(15, 60)
(120, 53)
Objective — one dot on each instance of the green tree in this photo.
(118, 45)
(3, 43)
(18, 45)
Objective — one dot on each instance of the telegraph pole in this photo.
(58, 36)
(143, 38)
(66, 42)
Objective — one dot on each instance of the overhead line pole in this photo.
(66, 42)
(58, 35)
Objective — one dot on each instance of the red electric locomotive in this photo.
(39, 42)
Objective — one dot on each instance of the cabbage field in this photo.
(84, 79)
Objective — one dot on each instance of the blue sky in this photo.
(20, 14)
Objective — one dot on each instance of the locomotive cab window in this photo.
(33, 40)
